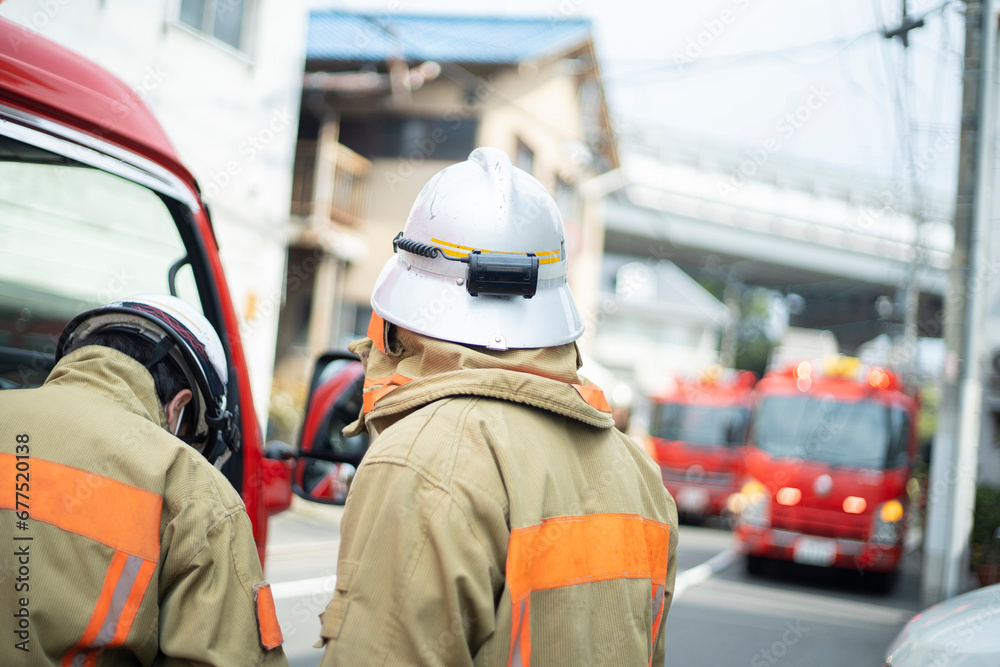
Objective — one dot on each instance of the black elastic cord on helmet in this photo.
(494, 273)
(422, 249)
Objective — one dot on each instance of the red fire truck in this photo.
(95, 205)
(829, 453)
(697, 429)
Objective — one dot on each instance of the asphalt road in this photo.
(301, 562)
(721, 616)
(790, 615)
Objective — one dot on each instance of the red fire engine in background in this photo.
(829, 453)
(697, 430)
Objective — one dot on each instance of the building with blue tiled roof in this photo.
(344, 36)
(391, 99)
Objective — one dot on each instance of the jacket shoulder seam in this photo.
(208, 534)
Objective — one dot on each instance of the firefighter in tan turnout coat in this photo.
(498, 518)
(124, 545)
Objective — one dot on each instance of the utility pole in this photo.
(956, 445)
(907, 24)
(910, 289)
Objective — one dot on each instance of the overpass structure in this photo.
(754, 217)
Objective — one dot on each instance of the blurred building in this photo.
(388, 100)
(224, 79)
(989, 444)
(842, 242)
(655, 322)
(846, 245)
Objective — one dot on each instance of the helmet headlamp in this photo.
(493, 274)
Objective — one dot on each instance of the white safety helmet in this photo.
(505, 285)
(179, 331)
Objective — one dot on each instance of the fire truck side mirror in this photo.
(327, 459)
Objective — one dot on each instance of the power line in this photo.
(909, 22)
(846, 64)
(687, 65)
(683, 65)
(910, 289)
(939, 72)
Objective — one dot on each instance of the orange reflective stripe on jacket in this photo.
(124, 586)
(268, 627)
(123, 517)
(594, 396)
(388, 384)
(571, 550)
(658, 593)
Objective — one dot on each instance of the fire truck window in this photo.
(862, 434)
(700, 425)
(72, 237)
(899, 432)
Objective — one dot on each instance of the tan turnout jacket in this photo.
(134, 550)
(498, 518)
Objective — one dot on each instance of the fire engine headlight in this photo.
(887, 526)
(756, 505)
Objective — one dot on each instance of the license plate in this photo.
(814, 551)
(692, 500)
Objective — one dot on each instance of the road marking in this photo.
(766, 600)
(913, 540)
(299, 548)
(696, 575)
(284, 590)
(702, 573)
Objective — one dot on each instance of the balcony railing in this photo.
(303, 175)
(348, 195)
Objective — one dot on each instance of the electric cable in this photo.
(739, 59)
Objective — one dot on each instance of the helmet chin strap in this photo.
(180, 419)
(159, 352)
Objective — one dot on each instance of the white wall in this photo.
(648, 362)
(232, 117)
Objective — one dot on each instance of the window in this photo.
(73, 237)
(636, 283)
(565, 196)
(700, 425)
(226, 20)
(415, 139)
(524, 158)
(857, 434)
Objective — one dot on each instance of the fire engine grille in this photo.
(819, 522)
(707, 477)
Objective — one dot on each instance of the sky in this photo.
(728, 72)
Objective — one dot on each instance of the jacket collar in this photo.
(112, 375)
(415, 370)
